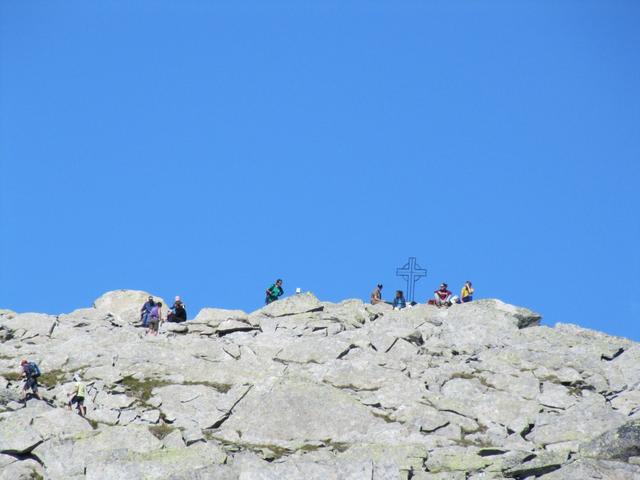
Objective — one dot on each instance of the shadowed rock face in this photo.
(618, 444)
(316, 390)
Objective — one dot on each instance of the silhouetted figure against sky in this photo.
(274, 292)
(376, 295)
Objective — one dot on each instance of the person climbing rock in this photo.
(178, 312)
(443, 296)
(155, 318)
(78, 395)
(376, 295)
(399, 302)
(467, 292)
(146, 310)
(274, 292)
(30, 372)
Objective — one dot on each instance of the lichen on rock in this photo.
(346, 390)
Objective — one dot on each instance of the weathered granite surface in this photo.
(304, 389)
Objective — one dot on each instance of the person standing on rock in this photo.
(178, 312)
(30, 372)
(376, 295)
(443, 296)
(274, 292)
(78, 395)
(399, 302)
(155, 318)
(467, 292)
(146, 310)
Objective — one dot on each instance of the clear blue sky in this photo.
(205, 148)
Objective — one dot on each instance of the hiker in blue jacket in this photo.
(30, 372)
(399, 302)
(146, 310)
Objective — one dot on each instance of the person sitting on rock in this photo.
(78, 395)
(30, 372)
(467, 292)
(155, 318)
(443, 296)
(178, 312)
(376, 295)
(399, 302)
(274, 292)
(146, 310)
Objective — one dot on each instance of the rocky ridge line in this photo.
(316, 390)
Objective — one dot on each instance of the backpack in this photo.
(34, 369)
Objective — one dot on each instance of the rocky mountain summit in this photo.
(303, 389)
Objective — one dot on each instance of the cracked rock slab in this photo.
(292, 305)
(294, 413)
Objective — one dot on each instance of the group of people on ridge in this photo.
(441, 297)
(151, 311)
(444, 298)
(151, 314)
(151, 318)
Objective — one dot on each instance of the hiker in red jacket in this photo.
(443, 296)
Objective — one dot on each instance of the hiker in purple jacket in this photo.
(155, 318)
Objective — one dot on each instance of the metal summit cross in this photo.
(412, 272)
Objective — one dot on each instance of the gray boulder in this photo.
(126, 304)
(294, 305)
(69, 456)
(14, 469)
(618, 444)
(215, 316)
(589, 469)
(295, 413)
(183, 463)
